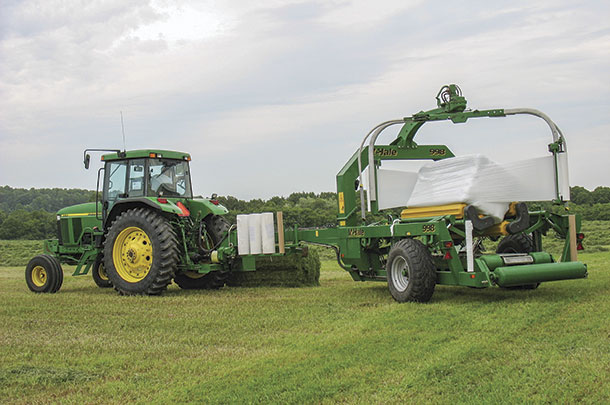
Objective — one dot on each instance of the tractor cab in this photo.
(145, 174)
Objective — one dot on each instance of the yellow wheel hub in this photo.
(193, 274)
(39, 276)
(102, 272)
(132, 254)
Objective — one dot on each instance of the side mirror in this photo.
(87, 160)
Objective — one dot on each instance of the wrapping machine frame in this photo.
(441, 245)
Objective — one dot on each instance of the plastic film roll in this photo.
(243, 235)
(255, 233)
(268, 232)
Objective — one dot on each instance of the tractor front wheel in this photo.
(410, 271)
(140, 252)
(43, 274)
(99, 273)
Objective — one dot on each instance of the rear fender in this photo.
(143, 202)
(203, 207)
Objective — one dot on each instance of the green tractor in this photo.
(146, 231)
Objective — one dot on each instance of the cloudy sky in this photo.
(272, 97)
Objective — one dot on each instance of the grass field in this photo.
(340, 342)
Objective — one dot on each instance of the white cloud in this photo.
(232, 77)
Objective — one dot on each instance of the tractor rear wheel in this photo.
(216, 227)
(410, 271)
(140, 252)
(99, 273)
(517, 243)
(43, 274)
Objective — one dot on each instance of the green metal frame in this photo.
(362, 248)
(451, 106)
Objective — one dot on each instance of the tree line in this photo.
(30, 214)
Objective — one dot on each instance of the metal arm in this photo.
(451, 106)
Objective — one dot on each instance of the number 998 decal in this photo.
(438, 152)
(428, 228)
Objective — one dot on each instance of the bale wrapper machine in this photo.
(441, 244)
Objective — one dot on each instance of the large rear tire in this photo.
(216, 227)
(410, 271)
(517, 243)
(43, 274)
(140, 252)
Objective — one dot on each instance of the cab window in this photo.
(136, 178)
(115, 183)
(169, 178)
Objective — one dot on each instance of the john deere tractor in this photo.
(146, 231)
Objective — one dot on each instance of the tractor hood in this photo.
(80, 210)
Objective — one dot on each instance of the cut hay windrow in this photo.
(294, 270)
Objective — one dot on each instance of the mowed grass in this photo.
(340, 342)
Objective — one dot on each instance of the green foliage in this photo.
(303, 209)
(580, 195)
(26, 214)
(21, 224)
(46, 199)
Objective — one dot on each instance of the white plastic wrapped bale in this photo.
(268, 233)
(490, 187)
(243, 235)
(255, 234)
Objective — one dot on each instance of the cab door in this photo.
(115, 184)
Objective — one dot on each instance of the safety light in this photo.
(447, 256)
(152, 155)
(448, 245)
(162, 200)
(215, 202)
(579, 238)
(472, 276)
(185, 212)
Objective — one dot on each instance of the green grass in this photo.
(340, 342)
(18, 252)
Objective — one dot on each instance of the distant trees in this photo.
(30, 214)
(580, 195)
(22, 224)
(47, 199)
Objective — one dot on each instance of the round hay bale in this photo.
(299, 269)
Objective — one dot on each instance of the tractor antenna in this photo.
(123, 129)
